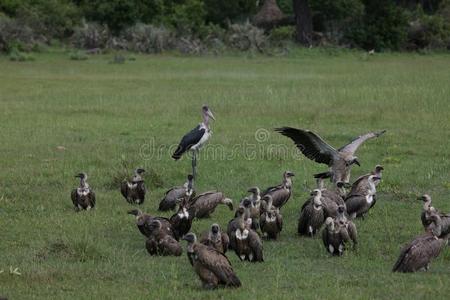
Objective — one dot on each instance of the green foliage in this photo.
(383, 26)
(116, 14)
(428, 31)
(14, 35)
(220, 12)
(333, 15)
(282, 34)
(50, 18)
(286, 6)
(189, 15)
(16, 55)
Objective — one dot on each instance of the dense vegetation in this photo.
(196, 26)
(60, 117)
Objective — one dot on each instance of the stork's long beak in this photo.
(357, 162)
(210, 114)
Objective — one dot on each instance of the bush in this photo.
(148, 38)
(246, 36)
(332, 16)
(91, 35)
(221, 12)
(49, 18)
(117, 14)
(189, 15)
(282, 34)
(428, 32)
(383, 26)
(16, 55)
(14, 35)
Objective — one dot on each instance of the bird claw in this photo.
(14, 271)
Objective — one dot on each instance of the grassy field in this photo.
(60, 117)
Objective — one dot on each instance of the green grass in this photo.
(109, 117)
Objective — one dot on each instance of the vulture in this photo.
(143, 222)
(254, 203)
(271, 220)
(315, 148)
(182, 220)
(331, 199)
(428, 210)
(281, 193)
(161, 243)
(195, 139)
(312, 215)
(377, 172)
(418, 254)
(246, 242)
(216, 238)
(233, 224)
(203, 205)
(83, 197)
(174, 196)
(212, 266)
(338, 233)
(134, 191)
(361, 184)
(358, 204)
(255, 209)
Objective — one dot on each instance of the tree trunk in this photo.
(303, 22)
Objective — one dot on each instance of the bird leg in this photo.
(194, 164)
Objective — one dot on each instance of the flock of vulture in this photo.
(258, 215)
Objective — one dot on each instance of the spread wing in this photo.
(354, 145)
(189, 140)
(217, 263)
(310, 144)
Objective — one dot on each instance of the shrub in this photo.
(14, 35)
(332, 16)
(428, 32)
(282, 34)
(148, 38)
(383, 26)
(16, 55)
(116, 14)
(189, 15)
(90, 35)
(245, 37)
(49, 18)
(220, 12)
